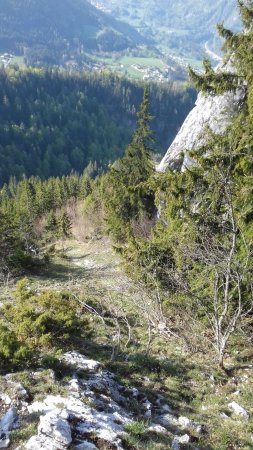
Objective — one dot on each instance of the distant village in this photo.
(148, 73)
(153, 73)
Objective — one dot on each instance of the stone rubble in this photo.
(187, 424)
(91, 407)
(93, 411)
(180, 423)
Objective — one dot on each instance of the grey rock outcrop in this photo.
(211, 111)
(85, 445)
(81, 362)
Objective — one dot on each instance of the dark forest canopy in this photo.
(53, 122)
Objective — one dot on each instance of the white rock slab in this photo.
(54, 432)
(157, 429)
(80, 361)
(215, 112)
(5, 398)
(239, 410)
(5, 442)
(188, 424)
(40, 443)
(56, 427)
(167, 420)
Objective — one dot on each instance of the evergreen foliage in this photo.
(127, 195)
(52, 225)
(36, 324)
(13, 256)
(64, 225)
(53, 122)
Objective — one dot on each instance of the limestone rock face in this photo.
(214, 112)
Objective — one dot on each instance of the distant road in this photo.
(213, 55)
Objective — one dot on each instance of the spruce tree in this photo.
(52, 225)
(65, 225)
(128, 195)
(237, 50)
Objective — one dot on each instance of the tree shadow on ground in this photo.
(63, 272)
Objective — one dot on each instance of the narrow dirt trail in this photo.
(89, 263)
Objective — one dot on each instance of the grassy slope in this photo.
(191, 382)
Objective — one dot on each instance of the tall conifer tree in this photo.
(128, 195)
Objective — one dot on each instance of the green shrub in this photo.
(12, 352)
(23, 434)
(20, 260)
(47, 321)
(136, 428)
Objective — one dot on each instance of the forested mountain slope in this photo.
(53, 122)
(55, 32)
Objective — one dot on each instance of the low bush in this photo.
(38, 323)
